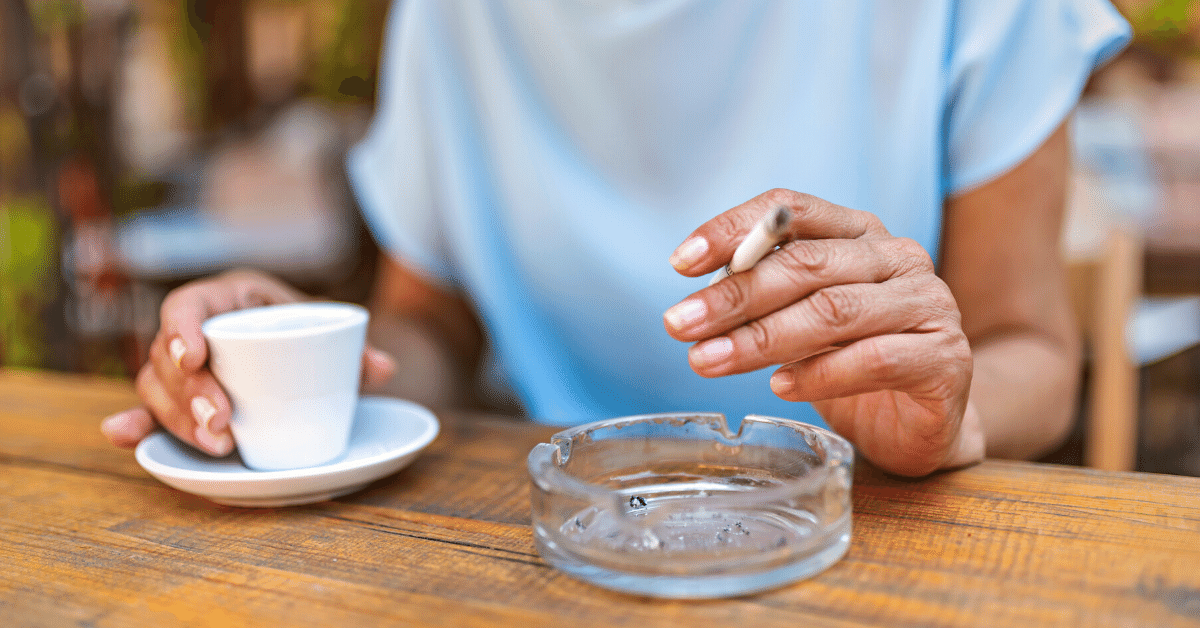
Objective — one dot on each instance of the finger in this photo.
(179, 419)
(161, 405)
(712, 244)
(181, 315)
(196, 392)
(378, 368)
(925, 365)
(185, 310)
(796, 270)
(128, 428)
(164, 360)
(208, 404)
(933, 369)
(828, 317)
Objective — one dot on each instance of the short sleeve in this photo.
(389, 169)
(1016, 69)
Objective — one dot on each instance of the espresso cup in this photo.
(292, 374)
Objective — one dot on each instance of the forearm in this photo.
(431, 332)
(1001, 258)
(1024, 389)
(428, 370)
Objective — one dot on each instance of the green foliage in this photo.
(344, 72)
(187, 51)
(27, 280)
(56, 14)
(1169, 27)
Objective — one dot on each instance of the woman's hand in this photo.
(862, 325)
(176, 387)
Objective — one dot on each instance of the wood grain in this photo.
(89, 539)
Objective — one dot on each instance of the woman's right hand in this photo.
(177, 390)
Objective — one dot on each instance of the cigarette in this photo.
(763, 238)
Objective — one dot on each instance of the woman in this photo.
(533, 165)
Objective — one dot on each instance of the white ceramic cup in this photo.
(291, 372)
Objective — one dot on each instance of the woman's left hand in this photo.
(864, 329)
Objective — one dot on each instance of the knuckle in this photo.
(959, 350)
(725, 228)
(835, 307)
(760, 335)
(168, 306)
(160, 362)
(248, 295)
(941, 304)
(945, 384)
(809, 256)
(820, 376)
(918, 253)
(238, 275)
(782, 196)
(178, 301)
(732, 294)
(206, 385)
(870, 224)
(882, 365)
(246, 288)
(882, 258)
(910, 255)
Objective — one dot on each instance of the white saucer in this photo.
(387, 435)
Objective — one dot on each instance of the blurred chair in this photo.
(1115, 192)
(1125, 331)
(1104, 291)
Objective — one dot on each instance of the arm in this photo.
(885, 348)
(433, 333)
(1001, 259)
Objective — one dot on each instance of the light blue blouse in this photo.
(546, 157)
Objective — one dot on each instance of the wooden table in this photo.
(87, 538)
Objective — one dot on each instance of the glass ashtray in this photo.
(679, 506)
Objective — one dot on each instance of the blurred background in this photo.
(144, 143)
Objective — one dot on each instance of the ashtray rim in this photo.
(549, 476)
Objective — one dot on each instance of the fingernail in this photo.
(689, 252)
(176, 348)
(114, 425)
(216, 444)
(711, 352)
(203, 410)
(685, 314)
(782, 382)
